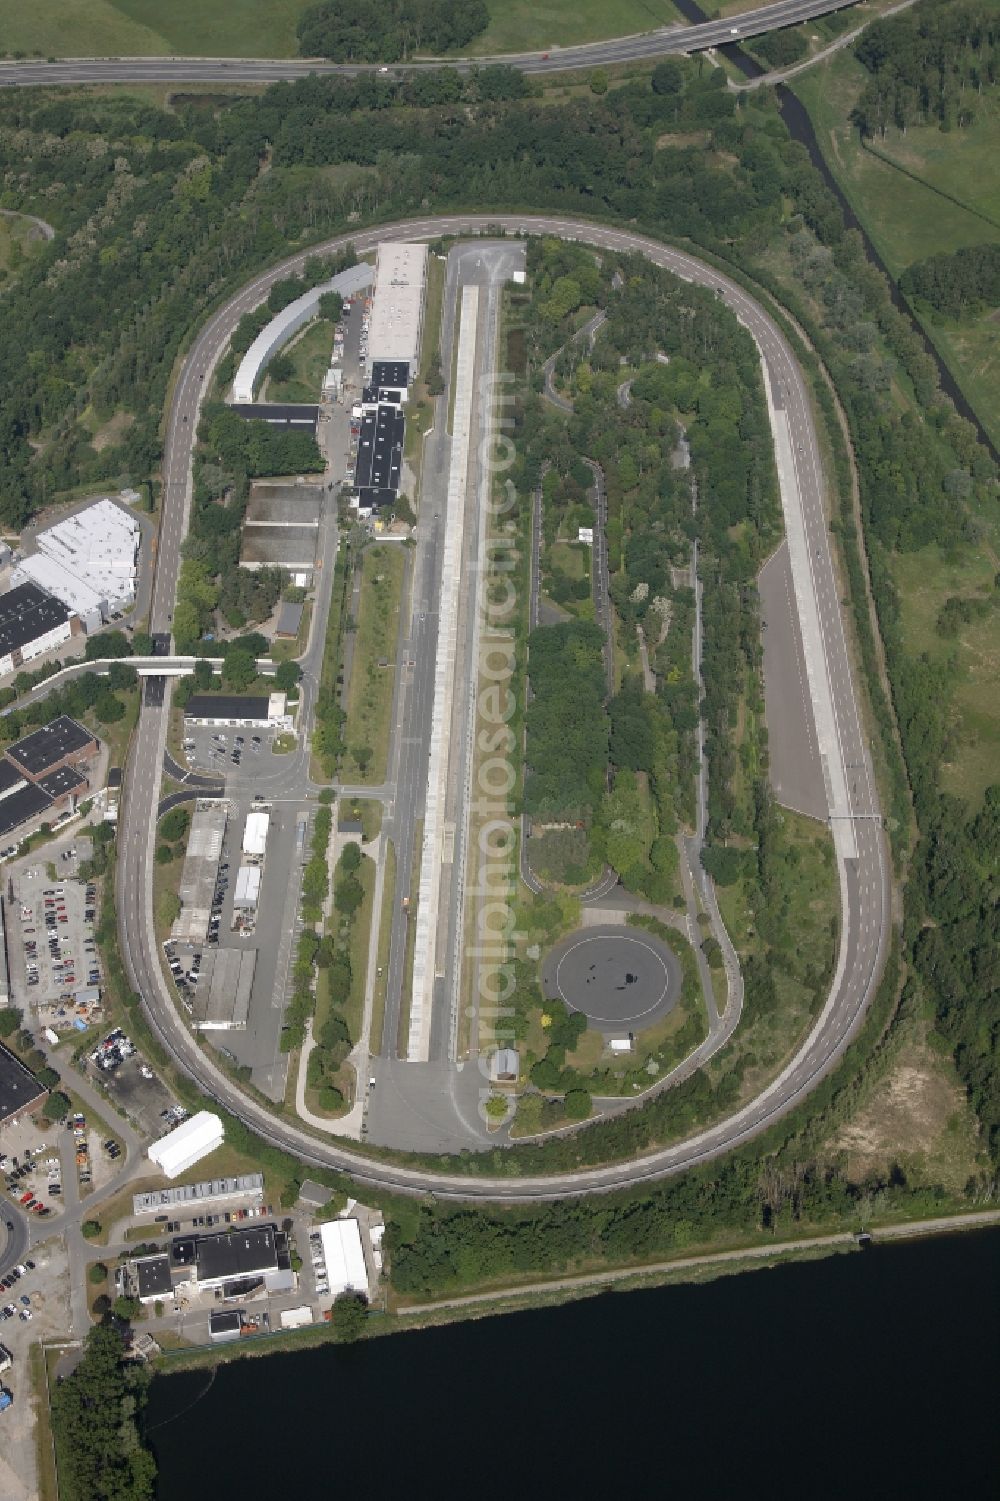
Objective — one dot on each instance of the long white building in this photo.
(398, 303)
(288, 322)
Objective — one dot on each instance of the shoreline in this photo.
(556, 1291)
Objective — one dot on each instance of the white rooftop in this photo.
(398, 301)
(255, 834)
(192, 1140)
(344, 1257)
(87, 561)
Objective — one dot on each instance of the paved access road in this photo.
(863, 873)
(670, 39)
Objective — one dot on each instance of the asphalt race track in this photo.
(622, 982)
(626, 49)
(864, 880)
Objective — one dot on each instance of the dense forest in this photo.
(95, 1413)
(959, 284)
(350, 31)
(928, 64)
(159, 212)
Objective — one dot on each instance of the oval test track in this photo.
(864, 880)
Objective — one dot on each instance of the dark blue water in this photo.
(865, 1375)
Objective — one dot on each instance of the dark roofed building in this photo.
(235, 1254)
(63, 742)
(153, 1276)
(289, 618)
(227, 708)
(380, 449)
(62, 783)
(10, 779)
(376, 500)
(31, 622)
(20, 1091)
(224, 1324)
(393, 373)
(27, 801)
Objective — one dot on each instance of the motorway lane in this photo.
(864, 879)
(637, 48)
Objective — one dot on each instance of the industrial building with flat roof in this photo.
(255, 834)
(188, 1144)
(234, 1255)
(221, 999)
(344, 1257)
(246, 1186)
(200, 870)
(397, 303)
(31, 622)
(236, 710)
(20, 1091)
(61, 742)
(152, 1276)
(87, 562)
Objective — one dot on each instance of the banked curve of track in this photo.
(864, 927)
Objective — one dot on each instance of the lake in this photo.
(872, 1373)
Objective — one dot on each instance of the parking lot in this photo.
(53, 954)
(231, 752)
(31, 1167)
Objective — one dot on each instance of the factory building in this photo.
(31, 622)
(398, 304)
(20, 1091)
(238, 711)
(87, 562)
(39, 777)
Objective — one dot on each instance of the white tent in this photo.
(181, 1149)
(344, 1257)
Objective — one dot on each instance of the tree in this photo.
(107, 644)
(668, 77)
(142, 644)
(57, 1106)
(48, 1076)
(10, 1020)
(239, 671)
(91, 1229)
(98, 1273)
(330, 1098)
(175, 824)
(280, 368)
(164, 854)
(109, 708)
(599, 81)
(286, 676)
(578, 1104)
(202, 675)
(331, 306)
(348, 1317)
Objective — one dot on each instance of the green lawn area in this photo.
(369, 697)
(909, 220)
(925, 581)
(266, 28)
(89, 28)
(521, 26)
(310, 354)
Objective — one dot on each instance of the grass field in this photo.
(369, 694)
(949, 205)
(925, 580)
(19, 238)
(266, 28)
(310, 355)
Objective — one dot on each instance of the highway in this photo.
(861, 854)
(639, 48)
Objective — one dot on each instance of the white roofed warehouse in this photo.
(397, 303)
(181, 1149)
(344, 1256)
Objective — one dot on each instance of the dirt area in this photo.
(144, 1100)
(48, 1288)
(919, 1118)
